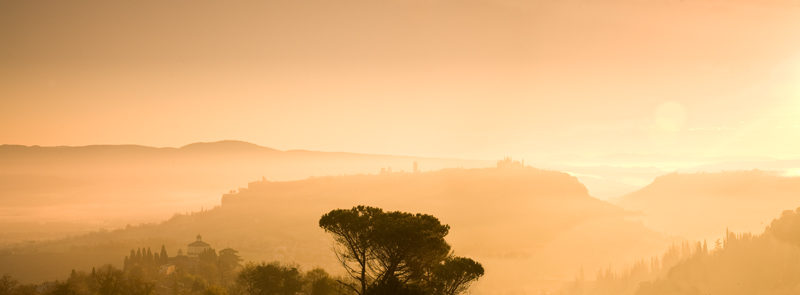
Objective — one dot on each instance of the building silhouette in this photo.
(508, 162)
(197, 247)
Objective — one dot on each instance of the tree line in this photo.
(744, 264)
(736, 264)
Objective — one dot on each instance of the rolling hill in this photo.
(75, 189)
(702, 205)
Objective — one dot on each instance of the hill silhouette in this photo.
(701, 205)
(530, 228)
(609, 177)
(79, 188)
(227, 146)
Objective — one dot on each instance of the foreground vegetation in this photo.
(251, 279)
(381, 252)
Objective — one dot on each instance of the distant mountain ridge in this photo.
(226, 145)
(11, 155)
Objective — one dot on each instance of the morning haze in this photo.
(400, 147)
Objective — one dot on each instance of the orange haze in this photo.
(467, 79)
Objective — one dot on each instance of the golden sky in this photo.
(465, 78)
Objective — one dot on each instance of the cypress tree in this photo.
(149, 256)
(705, 247)
(164, 256)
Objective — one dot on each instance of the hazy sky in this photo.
(460, 78)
